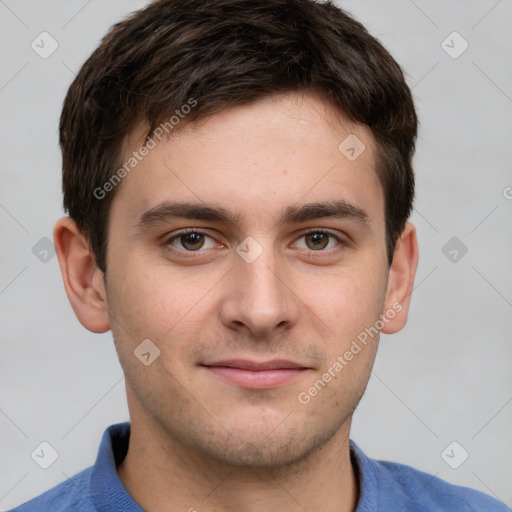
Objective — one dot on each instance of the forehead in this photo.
(253, 159)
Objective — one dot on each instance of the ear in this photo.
(401, 280)
(83, 280)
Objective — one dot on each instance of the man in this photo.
(238, 179)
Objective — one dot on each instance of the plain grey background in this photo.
(445, 378)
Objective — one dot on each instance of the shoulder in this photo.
(393, 486)
(72, 494)
(95, 488)
(425, 490)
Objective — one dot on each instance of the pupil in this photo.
(319, 237)
(193, 239)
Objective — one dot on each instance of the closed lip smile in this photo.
(256, 374)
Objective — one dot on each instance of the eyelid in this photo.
(318, 230)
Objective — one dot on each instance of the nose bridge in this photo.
(261, 282)
(260, 298)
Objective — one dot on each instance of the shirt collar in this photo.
(106, 489)
(368, 482)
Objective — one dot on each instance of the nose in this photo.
(259, 298)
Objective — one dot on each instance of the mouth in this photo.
(256, 375)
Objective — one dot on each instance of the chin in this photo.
(265, 445)
(260, 453)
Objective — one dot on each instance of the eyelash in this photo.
(192, 254)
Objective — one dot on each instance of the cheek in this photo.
(159, 304)
(350, 303)
(150, 296)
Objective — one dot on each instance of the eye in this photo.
(317, 240)
(191, 240)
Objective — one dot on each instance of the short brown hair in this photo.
(223, 53)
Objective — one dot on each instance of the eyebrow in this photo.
(167, 211)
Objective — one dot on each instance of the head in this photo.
(283, 134)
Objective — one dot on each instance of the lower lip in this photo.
(260, 379)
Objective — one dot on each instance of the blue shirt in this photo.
(385, 486)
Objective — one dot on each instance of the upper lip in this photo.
(245, 364)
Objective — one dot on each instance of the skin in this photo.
(197, 440)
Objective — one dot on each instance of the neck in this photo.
(164, 475)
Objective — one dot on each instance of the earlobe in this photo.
(401, 280)
(83, 280)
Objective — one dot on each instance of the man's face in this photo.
(215, 313)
